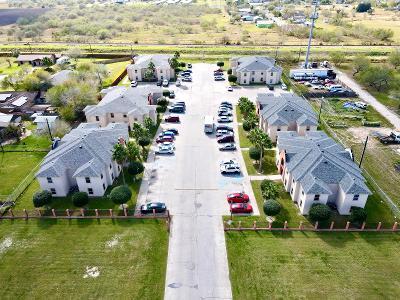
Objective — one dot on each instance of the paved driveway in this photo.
(195, 192)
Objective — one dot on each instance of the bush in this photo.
(363, 7)
(269, 189)
(166, 93)
(135, 168)
(229, 71)
(220, 64)
(80, 199)
(42, 198)
(120, 194)
(249, 125)
(162, 102)
(319, 212)
(254, 153)
(272, 207)
(144, 141)
(161, 109)
(358, 215)
(182, 64)
(232, 78)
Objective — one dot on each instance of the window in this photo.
(136, 72)
(272, 73)
(278, 129)
(119, 168)
(101, 175)
(104, 186)
(137, 78)
(302, 192)
(356, 197)
(244, 74)
(112, 176)
(160, 71)
(97, 118)
(252, 72)
(262, 73)
(112, 115)
(87, 179)
(252, 79)
(49, 180)
(125, 116)
(291, 191)
(301, 202)
(308, 128)
(110, 166)
(262, 79)
(90, 191)
(53, 191)
(316, 197)
(244, 81)
(270, 81)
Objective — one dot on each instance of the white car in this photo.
(230, 89)
(230, 161)
(169, 144)
(223, 132)
(229, 169)
(284, 86)
(134, 83)
(164, 149)
(165, 83)
(225, 119)
(318, 87)
(361, 105)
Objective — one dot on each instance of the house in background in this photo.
(315, 169)
(9, 119)
(35, 60)
(125, 105)
(22, 104)
(83, 159)
(286, 112)
(60, 77)
(44, 122)
(136, 70)
(256, 69)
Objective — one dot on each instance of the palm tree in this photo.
(132, 151)
(260, 140)
(120, 155)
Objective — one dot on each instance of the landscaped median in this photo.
(88, 259)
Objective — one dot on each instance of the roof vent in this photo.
(80, 146)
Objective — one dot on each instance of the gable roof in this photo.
(31, 57)
(159, 60)
(317, 161)
(124, 100)
(285, 109)
(256, 63)
(60, 77)
(85, 151)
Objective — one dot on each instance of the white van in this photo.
(335, 87)
(361, 105)
(208, 124)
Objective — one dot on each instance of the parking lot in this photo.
(191, 185)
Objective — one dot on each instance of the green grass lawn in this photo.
(114, 69)
(268, 165)
(244, 141)
(15, 166)
(295, 265)
(48, 259)
(31, 143)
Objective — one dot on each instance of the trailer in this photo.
(309, 74)
(392, 138)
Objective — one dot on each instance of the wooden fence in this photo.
(259, 227)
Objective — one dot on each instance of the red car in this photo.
(237, 198)
(241, 208)
(172, 119)
(165, 138)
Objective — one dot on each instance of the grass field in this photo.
(49, 259)
(268, 165)
(296, 265)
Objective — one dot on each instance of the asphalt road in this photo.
(195, 192)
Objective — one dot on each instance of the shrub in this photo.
(182, 64)
(80, 199)
(120, 194)
(162, 102)
(229, 71)
(135, 168)
(269, 189)
(232, 78)
(42, 198)
(247, 125)
(363, 7)
(166, 93)
(358, 215)
(220, 64)
(254, 153)
(144, 141)
(319, 212)
(272, 207)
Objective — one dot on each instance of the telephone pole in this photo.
(48, 128)
(313, 17)
(362, 155)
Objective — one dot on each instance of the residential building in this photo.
(9, 119)
(256, 69)
(140, 64)
(315, 169)
(43, 123)
(286, 112)
(22, 103)
(83, 160)
(124, 105)
(35, 60)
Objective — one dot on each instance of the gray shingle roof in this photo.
(85, 151)
(159, 60)
(124, 100)
(256, 63)
(317, 161)
(285, 109)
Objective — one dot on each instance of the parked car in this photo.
(224, 127)
(165, 149)
(159, 83)
(284, 86)
(361, 105)
(167, 133)
(175, 131)
(172, 119)
(226, 139)
(218, 70)
(187, 79)
(226, 103)
(134, 83)
(230, 89)
(177, 109)
(180, 103)
(164, 138)
(218, 73)
(228, 147)
(229, 169)
(230, 161)
(223, 132)
(225, 119)
(165, 83)
(224, 113)
(171, 94)
(189, 66)
(224, 108)
(188, 71)
(237, 198)
(219, 78)
(241, 208)
(148, 208)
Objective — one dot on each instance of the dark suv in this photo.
(226, 139)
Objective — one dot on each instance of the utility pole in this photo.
(313, 17)
(362, 155)
(48, 128)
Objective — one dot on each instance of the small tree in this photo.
(132, 151)
(360, 63)
(358, 215)
(319, 212)
(120, 194)
(220, 64)
(148, 124)
(120, 155)
(182, 64)
(337, 57)
(162, 102)
(138, 131)
(271, 207)
(363, 7)
(260, 140)
(232, 78)
(255, 153)
(80, 199)
(269, 189)
(42, 198)
(229, 71)
(161, 109)
(166, 93)
(149, 74)
(394, 59)
(135, 168)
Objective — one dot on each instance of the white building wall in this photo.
(96, 183)
(345, 202)
(307, 200)
(61, 184)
